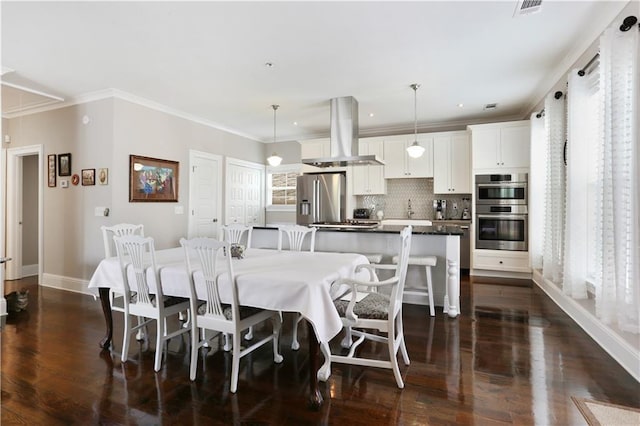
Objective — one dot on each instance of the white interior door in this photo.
(244, 189)
(14, 210)
(205, 188)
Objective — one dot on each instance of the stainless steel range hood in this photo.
(344, 137)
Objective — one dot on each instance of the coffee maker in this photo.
(440, 209)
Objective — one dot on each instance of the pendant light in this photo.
(275, 159)
(415, 150)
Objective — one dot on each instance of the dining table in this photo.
(279, 280)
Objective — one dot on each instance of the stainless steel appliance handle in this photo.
(502, 216)
(503, 184)
(316, 201)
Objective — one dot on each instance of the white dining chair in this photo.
(211, 259)
(296, 235)
(138, 254)
(234, 234)
(367, 308)
(120, 230)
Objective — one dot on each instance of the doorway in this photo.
(25, 213)
(205, 188)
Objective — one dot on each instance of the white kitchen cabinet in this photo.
(501, 260)
(398, 164)
(451, 163)
(501, 145)
(315, 148)
(368, 180)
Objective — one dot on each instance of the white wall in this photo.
(115, 129)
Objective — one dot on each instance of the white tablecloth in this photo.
(284, 281)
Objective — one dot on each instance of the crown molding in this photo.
(125, 96)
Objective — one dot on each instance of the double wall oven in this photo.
(501, 212)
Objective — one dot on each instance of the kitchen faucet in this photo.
(409, 211)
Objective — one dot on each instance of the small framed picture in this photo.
(64, 165)
(51, 169)
(103, 176)
(88, 177)
(64, 183)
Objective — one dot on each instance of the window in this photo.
(281, 187)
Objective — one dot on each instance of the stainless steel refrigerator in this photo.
(321, 198)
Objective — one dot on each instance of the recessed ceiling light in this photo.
(460, 105)
(370, 114)
(295, 123)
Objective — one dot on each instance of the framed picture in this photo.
(51, 169)
(64, 183)
(103, 176)
(88, 177)
(153, 179)
(64, 165)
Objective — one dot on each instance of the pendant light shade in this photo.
(275, 159)
(415, 150)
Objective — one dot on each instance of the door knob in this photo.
(215, 220)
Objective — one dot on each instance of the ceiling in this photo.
(206, 60)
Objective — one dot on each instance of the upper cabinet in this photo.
(501, 145)
(369, 179)
(451, 163)
(315, 148)
(398, 164)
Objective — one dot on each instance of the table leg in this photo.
(315, 397)
(106, 310)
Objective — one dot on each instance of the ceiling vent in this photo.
(527, 7)
(490, 107)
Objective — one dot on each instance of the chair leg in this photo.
(325, 371)
(142, 331)
(347, 341)
(160, 325)
(227, 342)
(126, 338)
(295, 345)
(393, 356)
(195, 346)
(403, 347)
(277, 325)
(249, 334)
(430, 290)
(235, 362)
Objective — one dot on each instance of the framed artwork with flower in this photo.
(153, 179)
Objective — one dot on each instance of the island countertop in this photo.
(436, 229)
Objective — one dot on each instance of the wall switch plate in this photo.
(178, 209)
(101, 211)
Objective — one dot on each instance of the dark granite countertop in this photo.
(444, 229)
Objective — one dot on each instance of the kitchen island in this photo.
(442, 241)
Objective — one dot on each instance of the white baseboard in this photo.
(619, 349)
(499, 274)
(29, 270)
(66, 283)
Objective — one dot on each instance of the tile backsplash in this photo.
(420, 191)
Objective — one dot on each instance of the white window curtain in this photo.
(581, 140)
(555, 184)
(618, 292)
(537, 190)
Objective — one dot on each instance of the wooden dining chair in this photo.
(295, 236)
(212, 259)
(137, 253)
(376, 310)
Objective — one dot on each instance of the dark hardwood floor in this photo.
(512, 357)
